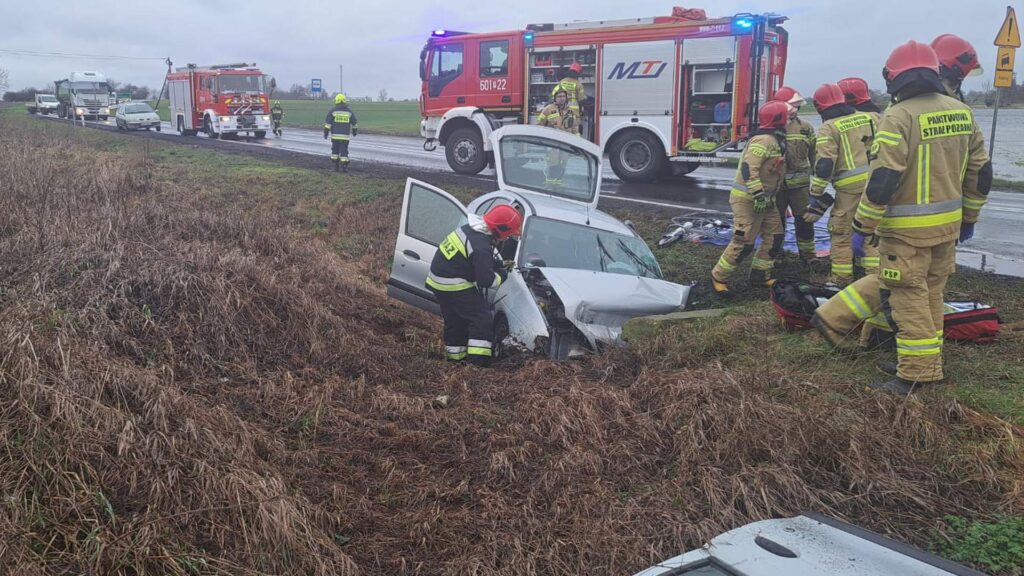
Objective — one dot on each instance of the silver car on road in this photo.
(579, 272)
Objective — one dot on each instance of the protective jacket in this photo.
(931, 171)
(841, 153)
(761, 168)
(799, 152)
(560, 118)
(277, 112)
(340, 122)
(465, 260)
(574, 88)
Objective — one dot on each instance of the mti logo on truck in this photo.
(638, 70)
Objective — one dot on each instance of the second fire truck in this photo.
(221, 101)
(665, 94)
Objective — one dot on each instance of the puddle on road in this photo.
(991, 263)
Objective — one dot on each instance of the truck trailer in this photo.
(223, 100)
(664, 94)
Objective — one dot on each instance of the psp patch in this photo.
(891, 274)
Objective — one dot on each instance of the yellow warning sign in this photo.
(1005, 59)
(1004, 79)
(1009, 34)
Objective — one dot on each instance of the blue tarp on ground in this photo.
(821, 237)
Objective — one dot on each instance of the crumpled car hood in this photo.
(599, 303)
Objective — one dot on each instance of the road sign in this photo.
(1009, 33)
(315, 85)
(1004, 79)
(1005, 59)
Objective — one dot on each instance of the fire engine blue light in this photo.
(744, 22)
(528, 37)
(439, 32)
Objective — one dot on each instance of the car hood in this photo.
(599, 303)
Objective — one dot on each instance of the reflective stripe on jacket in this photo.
(799, 152)
(339, 121)
(846, 142)
(464, 260)
(574, 89)
(761, 167)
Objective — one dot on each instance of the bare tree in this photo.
(382, 96)
(4, 80)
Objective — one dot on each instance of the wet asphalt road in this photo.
(998, 245)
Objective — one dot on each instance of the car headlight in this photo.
(225, 118)
(79, 111)
(266, 118)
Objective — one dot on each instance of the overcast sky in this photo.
(379, 41)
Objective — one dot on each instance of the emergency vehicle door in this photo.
(495, 73)
(429, 214)
(446, 78)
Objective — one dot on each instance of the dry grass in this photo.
(197, 390)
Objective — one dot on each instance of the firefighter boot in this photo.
(720, 288)
(761, 279)
(897, 386)
(887, 367)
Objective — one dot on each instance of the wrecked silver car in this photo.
(580, 273)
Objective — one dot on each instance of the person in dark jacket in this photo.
(340, 125)
(465, 263)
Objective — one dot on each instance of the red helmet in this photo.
(827, 96)
(855, 90)
(504, 221)
(576, 67)
(957, 58)
(774, 114)
(908, 57)
(789, 96)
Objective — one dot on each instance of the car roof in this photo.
(563, 210)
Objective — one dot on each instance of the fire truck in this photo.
(664, 94)
(222, 100)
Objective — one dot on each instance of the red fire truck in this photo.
(221, 100)
(664, 94)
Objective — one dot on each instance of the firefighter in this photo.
(926, 190)
(799, 156)
(340, 125)
(861, 302)
(560, 117)
(758, 179)
(859, 96)
(465, 262)
(570, 82)
(276, 114)
(841, 159)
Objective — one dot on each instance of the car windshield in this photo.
(550, 167)
(47, 98)
(557, 244)
(137, 109)
(91, 88)
(240, 83)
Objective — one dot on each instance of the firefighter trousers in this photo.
(914, 279)
(795, 199)
(747, 225)
(339, 150)
(840, 225)
(468, 325)
(844, 313)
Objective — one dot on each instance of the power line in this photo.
(73, 55)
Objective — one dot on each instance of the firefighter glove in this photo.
(502, 273)
(762, 202)
(818, 206)
(326, 134)
(966, 231)
(355, 131)
(508, 265)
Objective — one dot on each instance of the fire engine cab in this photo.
(664, 94)
(222, 100)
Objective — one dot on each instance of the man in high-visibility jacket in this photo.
(340, 125)
(860, 303)
(841, 159)
(276, 115)
(559, 116)
(799, 157)
(465, 262)
(570, 82)
(927, 187)
(859, 96)
(752, 199)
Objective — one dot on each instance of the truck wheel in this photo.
(464, 151)
(208, 128)
(637, 156)
(260, 134)
(31, 111)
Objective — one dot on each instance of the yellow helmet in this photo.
(340, 99)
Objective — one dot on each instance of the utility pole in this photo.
(341, 78)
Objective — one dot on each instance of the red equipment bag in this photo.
(795, 301)
(970, 322)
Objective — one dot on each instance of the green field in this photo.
(394, 118)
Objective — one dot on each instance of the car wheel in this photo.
(464, 151)
(208, 128)
(637, 156)
(260, 134)
(157, 127)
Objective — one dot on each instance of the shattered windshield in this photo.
(548, 166)
(557, 244)
(241, 83)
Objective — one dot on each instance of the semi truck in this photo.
(664, 94)
(83, 95)
(222, 100)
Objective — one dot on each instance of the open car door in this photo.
(540, 160)
(429, 214)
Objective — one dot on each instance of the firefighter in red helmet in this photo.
(957, 60)
(758, 179)
(465, 262)
(927, 187)
(859, 96)
(841, 159)
(799, 156)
